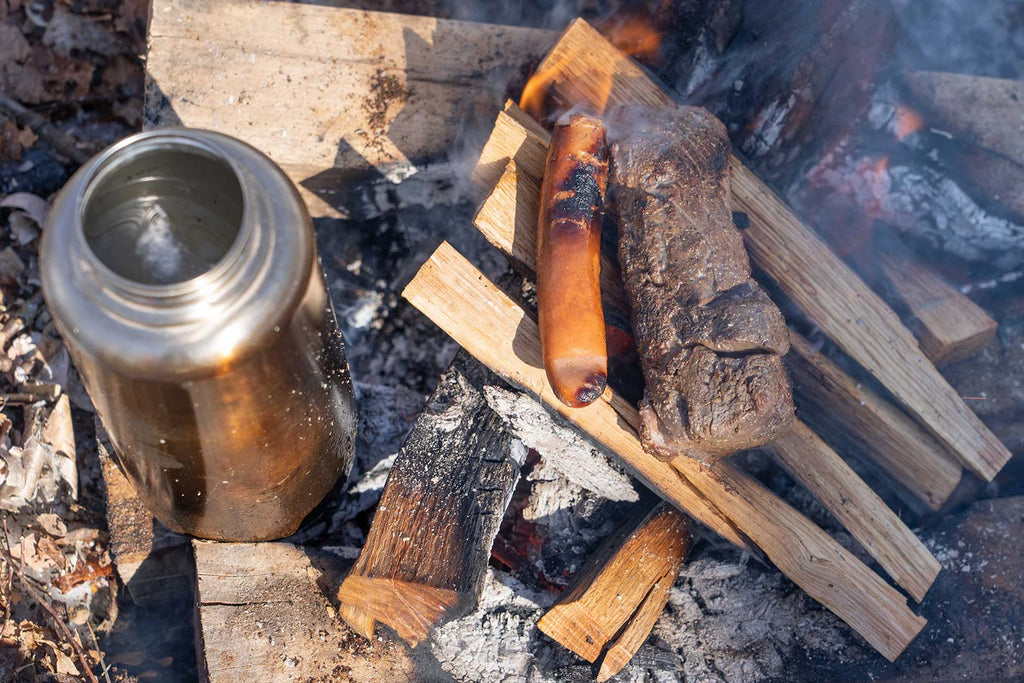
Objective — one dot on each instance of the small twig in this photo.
(40, 598)
(44, 129)
(8, 560)
(96, 642)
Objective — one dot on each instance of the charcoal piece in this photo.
(710, 340)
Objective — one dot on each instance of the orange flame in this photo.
(636, 34)
(907, 121)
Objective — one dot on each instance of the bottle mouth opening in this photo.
(162, 211)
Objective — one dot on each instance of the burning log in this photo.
(568, 261)
(983, 111)
(583, 65)
(710, 341)
(621, 591)
(807, 68)
(878, 529)
(427, 549)
(843, 409)
(498, 332)
(262, 616)
(949, 326)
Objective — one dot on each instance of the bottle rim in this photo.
(131, 149)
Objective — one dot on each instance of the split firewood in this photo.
(153, 562)
(795, 260)
(949, 326)
(621, 591)
(498, 332)
(427, 550)
(832, 400)
(866, 516)
(568, 261)
(262, 616)
(710, 341)
(849, 413)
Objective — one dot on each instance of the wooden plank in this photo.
(321, 89)
(616, 585)
(427, 550)
(949, 326)
(154, 563)
(866, 516)
(849, 414)
(262, 617)
(499, 333)
(583, 67)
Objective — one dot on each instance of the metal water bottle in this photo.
(180, 267)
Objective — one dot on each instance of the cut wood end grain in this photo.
(949, 326)
(411, 609)
(617, 596)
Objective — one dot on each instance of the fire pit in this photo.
(490, 532)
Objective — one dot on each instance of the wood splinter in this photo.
(569, 261)
(619, 594)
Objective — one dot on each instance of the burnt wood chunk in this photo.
(427, 549)
(710, 340)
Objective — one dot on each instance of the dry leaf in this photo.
(46, 547)
(11, 266)
(14, 140)
(65, 665)
(132, 658)
(33, 205)
(52, 524)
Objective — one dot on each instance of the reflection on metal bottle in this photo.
(181, 269)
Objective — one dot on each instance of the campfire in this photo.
(662, 327)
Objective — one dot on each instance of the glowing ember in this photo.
(906, 121)
(635, 34)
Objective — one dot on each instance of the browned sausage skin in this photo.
(568, 261)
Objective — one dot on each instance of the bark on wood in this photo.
(262, 616)
(609, 607)
(948, 325)
(866, 516)
(797, 261)
(852, 416)
(427, 549)
(153, 562)
(328, 92)
(457, 297)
